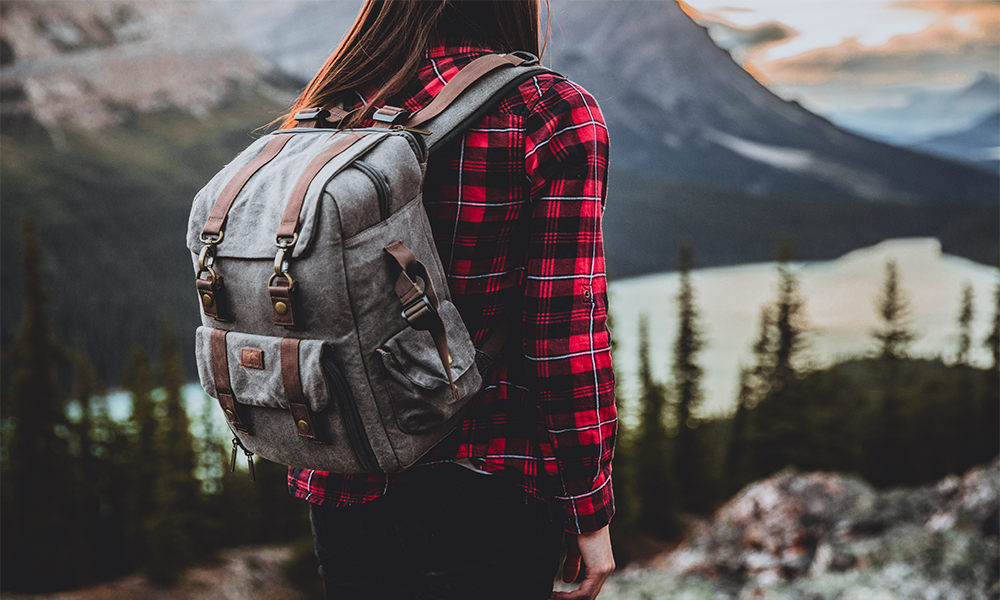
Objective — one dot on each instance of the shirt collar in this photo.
(441, 47)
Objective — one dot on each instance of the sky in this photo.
(856, 60)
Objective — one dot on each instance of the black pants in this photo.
(445, 534)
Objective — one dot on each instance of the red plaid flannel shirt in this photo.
(515, 206)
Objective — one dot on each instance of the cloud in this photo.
(741, 42)
(963, 41)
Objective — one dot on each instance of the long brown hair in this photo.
(386, 45)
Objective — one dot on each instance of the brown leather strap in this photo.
(220, 372)
(459, 83)
(420, 307)
(283, 303)
(211, 297)
(293, 388)
(217, 218)
(333, 117)
(290, 218)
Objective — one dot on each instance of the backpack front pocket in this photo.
(415, 377)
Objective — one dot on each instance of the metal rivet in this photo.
(206, 300)
(586, 294)
(303, 426)
(281, 308)
(230, 415)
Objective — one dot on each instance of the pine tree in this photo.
(41, 540)
(992, 341)
(625, 476)
(789, 320)
(895, 335)
(989, 433)
(654, 456)
(965, 316)
(690, 468)
(141, 463)
(175, 505)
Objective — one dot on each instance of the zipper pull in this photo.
(253, 474)
(411, 129)
(232, 459)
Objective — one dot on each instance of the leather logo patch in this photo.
(251, 358)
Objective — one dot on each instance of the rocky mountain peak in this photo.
(95, 63)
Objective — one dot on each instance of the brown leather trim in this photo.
(210, 296)
(293, 388)
(220, 372)
(458, 84)
(216, 219)
(252, 358)
(281, 297)
(420, 316)
(290, 218)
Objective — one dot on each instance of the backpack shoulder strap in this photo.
(476, 90)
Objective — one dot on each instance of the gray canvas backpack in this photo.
(328, 334)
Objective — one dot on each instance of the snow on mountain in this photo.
(839, 306)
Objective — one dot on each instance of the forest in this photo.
(89, 497)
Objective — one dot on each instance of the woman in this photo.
(515, 205)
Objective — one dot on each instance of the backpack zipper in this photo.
(232, 460)
(381, 186)
(352, 418)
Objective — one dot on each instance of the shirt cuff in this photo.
(587, 512)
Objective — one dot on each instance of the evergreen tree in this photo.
(690, 467)
(175, 503)
(141, 464)
(625, 476)
(41, 540)
(992, 341)
(989, 433)
(789, 320)
(738, 465)
(965, 316)
(654, 455)
(895, 335)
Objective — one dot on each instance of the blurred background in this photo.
(802, 244)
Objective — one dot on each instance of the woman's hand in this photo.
(594, 550)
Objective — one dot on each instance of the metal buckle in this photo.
(284, 242)
(209, 240)
(272, 278)
(415, 307)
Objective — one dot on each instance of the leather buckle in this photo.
(312, 114)
(386, 115)
(415, 310)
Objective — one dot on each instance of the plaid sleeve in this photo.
(566, 342)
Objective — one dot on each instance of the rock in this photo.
(822, 535)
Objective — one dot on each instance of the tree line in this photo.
(889, 417)
(89, 497)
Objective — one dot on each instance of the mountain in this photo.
(978, 145)
(115, 112)
(676, 104)
(113, 115)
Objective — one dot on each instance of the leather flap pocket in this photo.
(254, 368)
